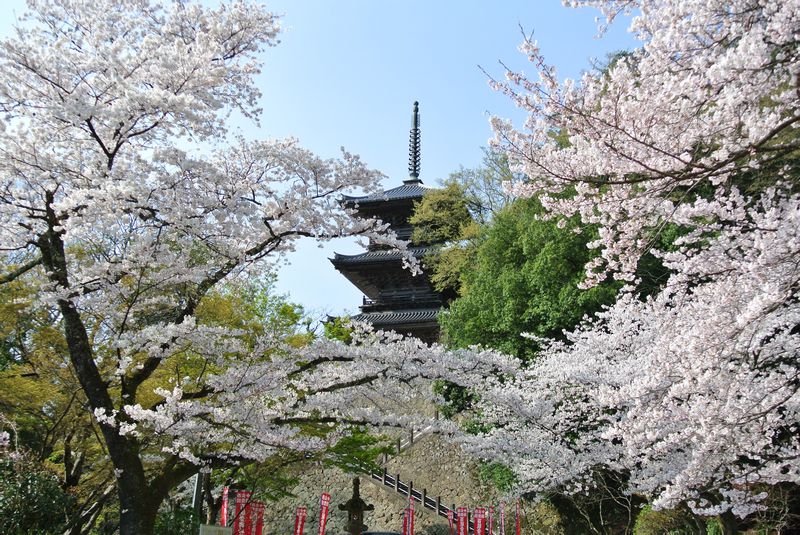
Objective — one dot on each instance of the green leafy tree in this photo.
(452, 216)
(483, 185)
(523, 278)
(443, 214)
(443, 218)
(32, 500)
(522, 275)
(338, 329)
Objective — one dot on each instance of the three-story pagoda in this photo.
(394, 299)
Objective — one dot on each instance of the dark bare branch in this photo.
(19, 271)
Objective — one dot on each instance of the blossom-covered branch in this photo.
(692, 393)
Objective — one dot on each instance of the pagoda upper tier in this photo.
(394, 206)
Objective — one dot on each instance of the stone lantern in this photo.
(355, 508)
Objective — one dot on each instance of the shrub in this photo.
(31, 498)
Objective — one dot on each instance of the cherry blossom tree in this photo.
(693, 392)
(123, 228)
(122, 225)
(665, 131)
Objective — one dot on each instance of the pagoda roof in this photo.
(411, 189)
(384, 255)
(399, 317)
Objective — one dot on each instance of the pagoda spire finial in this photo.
(413, 146)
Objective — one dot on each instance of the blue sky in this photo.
(347, 72)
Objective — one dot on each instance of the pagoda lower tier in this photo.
(395, 299)
(420, 323)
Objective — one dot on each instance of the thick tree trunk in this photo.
(729, 523)
(137, 515)
(139, 499)
(138, 505)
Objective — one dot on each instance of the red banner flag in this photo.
(223, 509)
(258, 514)
(517, 523)
(248, 518)
(461, 521)
(450, 520)
(490, 522)
(324, 505)
(242, 499)
(501, 526)
(405, 521)
(411, 512)
(300, 520)
(479, 521)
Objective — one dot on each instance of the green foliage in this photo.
(667, 522)
(457, 398)
(442, 215)
(445, 266)
(476, 424)
(713, 527)
(543, 519)
(254, 307)
(561, 137)
(176, 521)
(338, 329)
(483, 185)
(21, 326)
(13, 323)
(268, 480)
(452, 216)
(107, 523)
(31, 498)
(651, 272)
(357, 450)
(523, 278)
(498, 475)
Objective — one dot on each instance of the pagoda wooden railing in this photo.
(404, 298)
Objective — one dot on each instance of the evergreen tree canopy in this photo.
(523, 278)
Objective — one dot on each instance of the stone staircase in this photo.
(393, 483)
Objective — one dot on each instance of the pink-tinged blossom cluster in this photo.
(711, 93)
(693, 391)
(258, 401)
